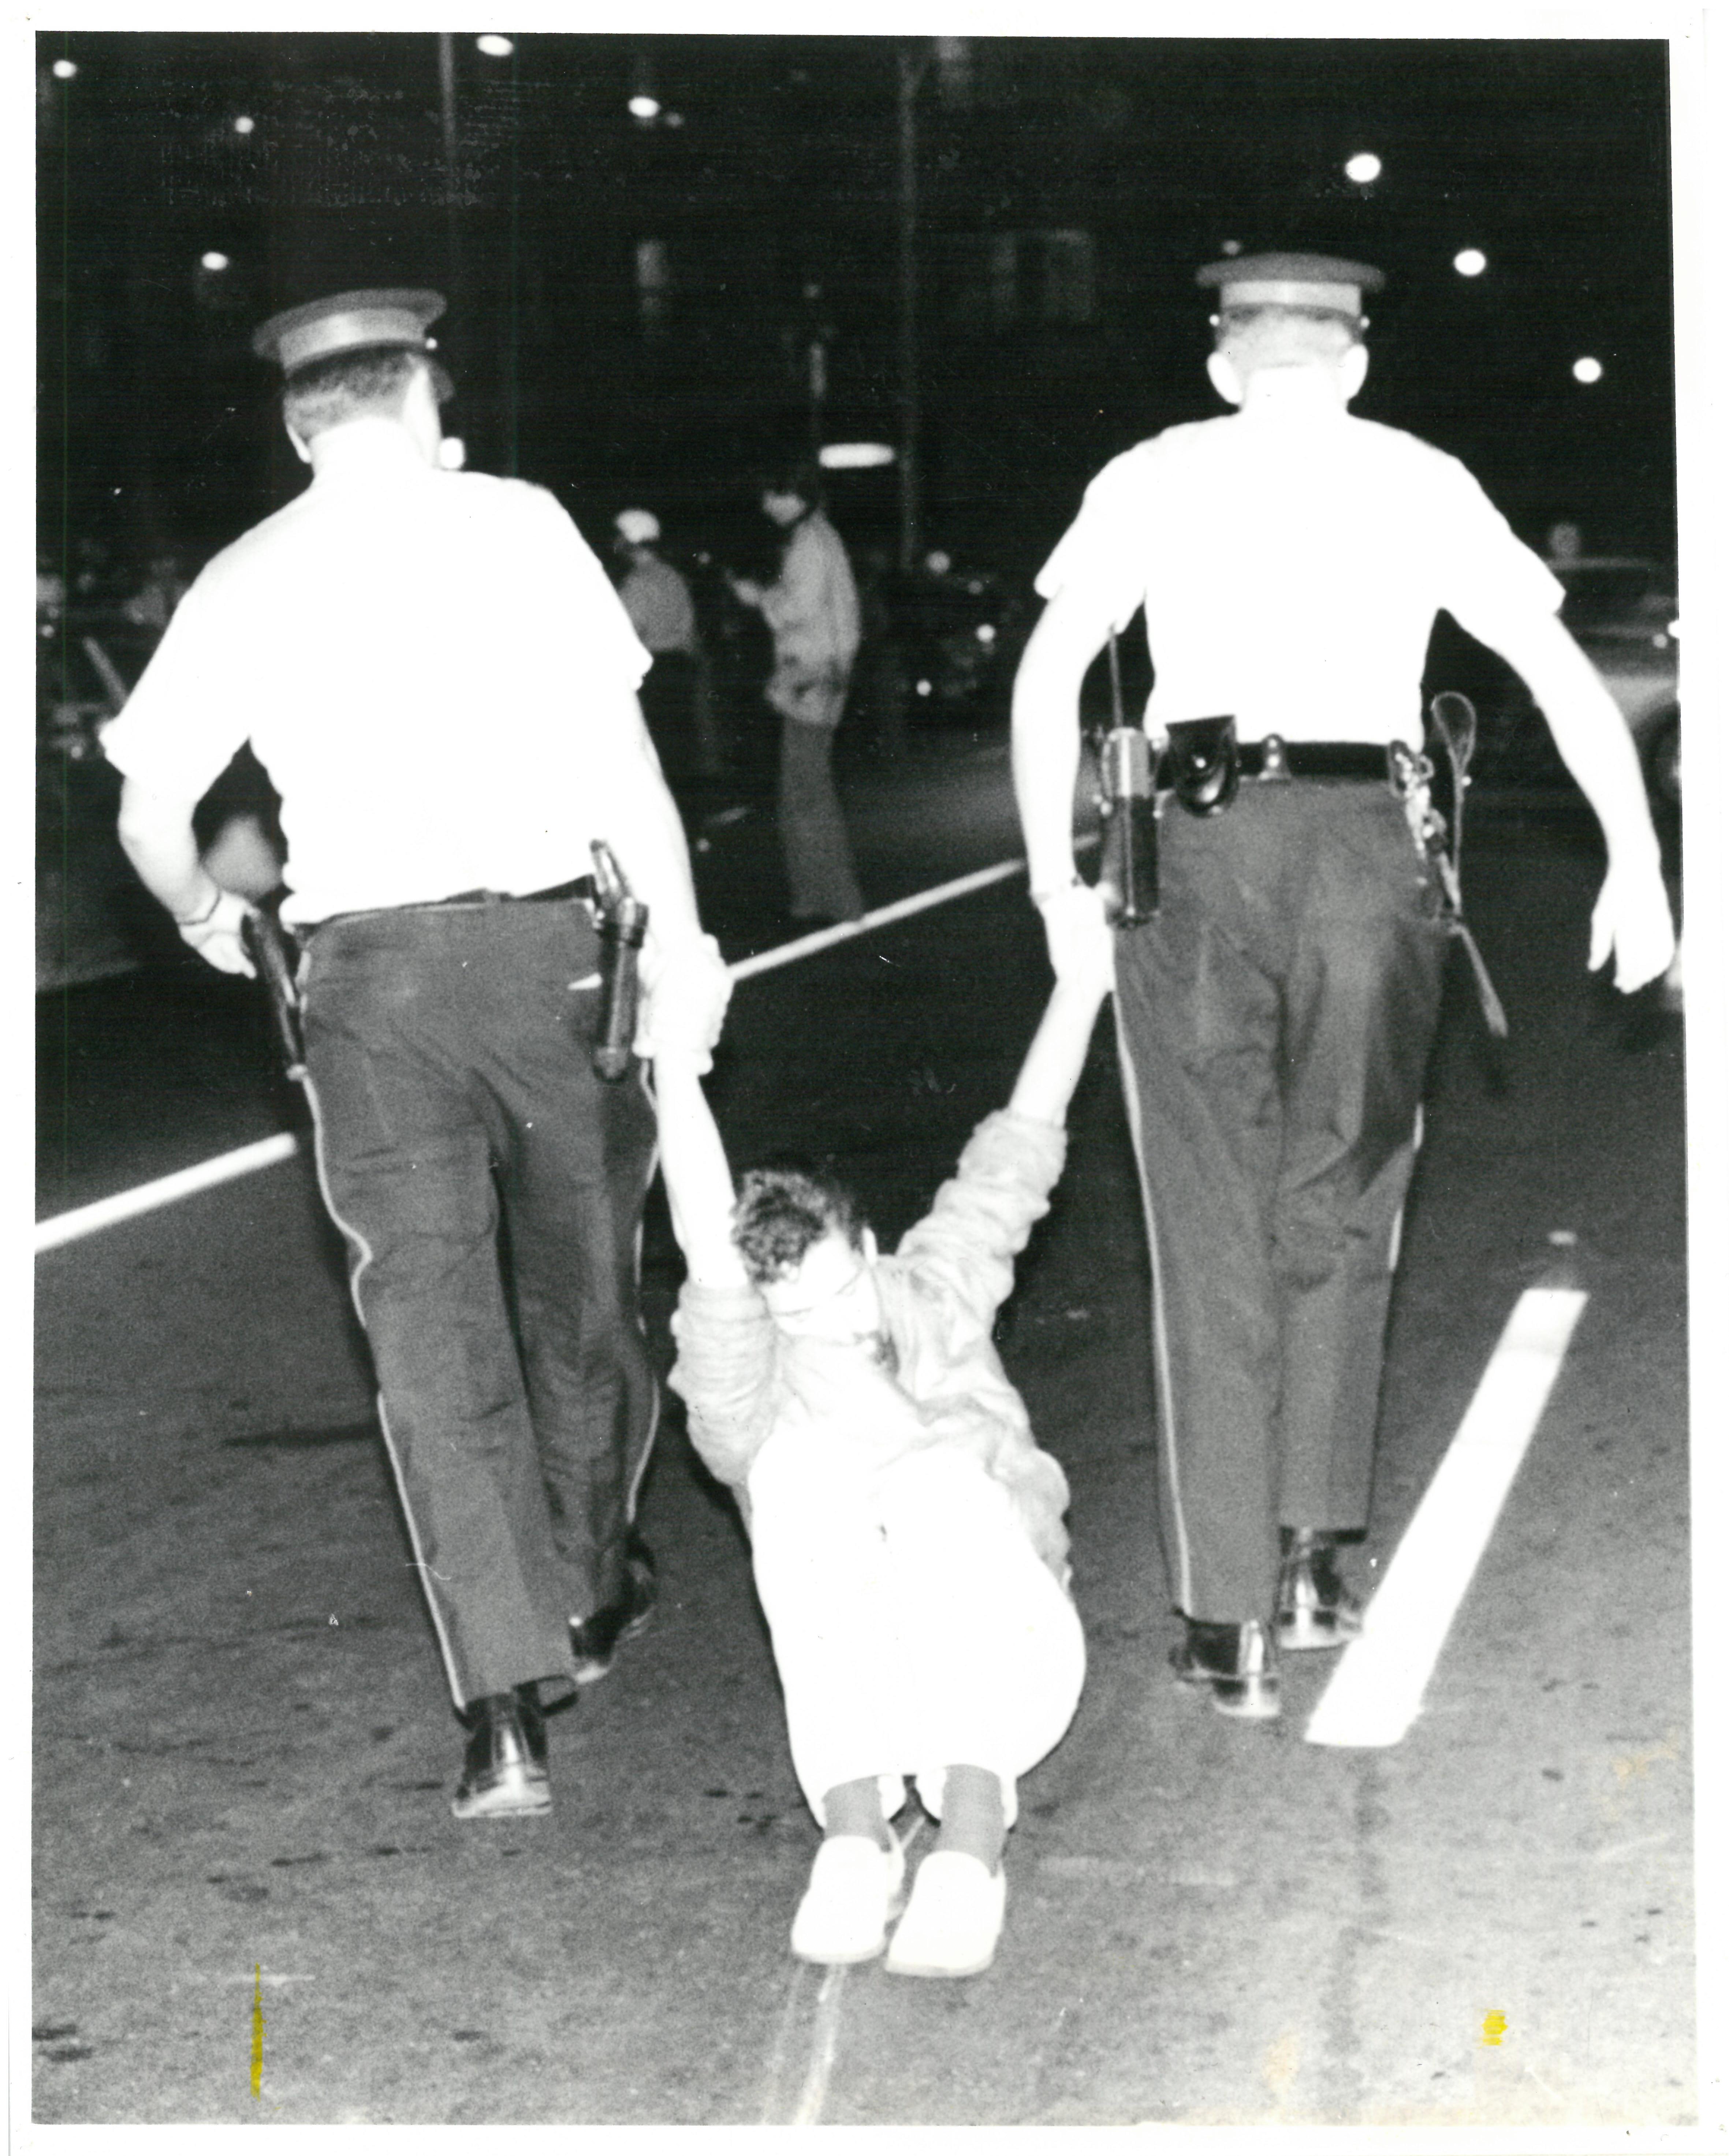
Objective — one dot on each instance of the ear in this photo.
(1224, 378)
(301, 450)
(1352, 368)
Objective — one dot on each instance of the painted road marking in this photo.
(187, 1182)
(165, 1190)
(1377, 1688)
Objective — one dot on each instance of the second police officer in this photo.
(1275, 1015)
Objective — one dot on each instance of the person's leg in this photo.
(404, 1164)
(1198, 1030)
(575, 1154)
(823, 881)
(1361, 1002)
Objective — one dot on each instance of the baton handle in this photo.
(623, 923)
(1129, 864)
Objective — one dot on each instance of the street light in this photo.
(1470, 262)
(65, 69)
(643, 108)
(215, 259)
(1587, 370)
(1365, 168)
(495, 46)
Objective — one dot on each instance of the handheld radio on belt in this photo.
(623, 923)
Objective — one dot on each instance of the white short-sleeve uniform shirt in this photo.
(434, 669)
(1291, 575)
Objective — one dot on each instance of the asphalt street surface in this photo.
(244, 1746)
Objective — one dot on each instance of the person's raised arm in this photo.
(1631, 919)
(1052, 1066)
(685, 983)
(699, 1182)
(1046, 758)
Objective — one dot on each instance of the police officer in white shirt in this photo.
(1274, 1016)
(438, 677)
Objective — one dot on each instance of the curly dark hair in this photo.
(328, 391)
(783, 1210)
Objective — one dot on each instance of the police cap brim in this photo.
(348, 322)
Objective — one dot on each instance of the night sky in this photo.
(1067, 190)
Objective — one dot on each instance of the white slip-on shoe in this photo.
(953, 1920)
(854, 1890)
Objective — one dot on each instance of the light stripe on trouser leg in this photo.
(1183, 1585)
(361, 1256)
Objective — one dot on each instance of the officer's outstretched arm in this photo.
(1632, 919)
(155, 831)
(684, 979)
(1046, 756)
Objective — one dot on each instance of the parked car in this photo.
(1622, 610)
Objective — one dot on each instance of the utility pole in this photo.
(911, 66)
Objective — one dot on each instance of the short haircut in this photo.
(349, 385)
(783, 1210)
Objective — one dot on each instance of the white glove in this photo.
(1078, 936)
(215, 936)
(1632, 919)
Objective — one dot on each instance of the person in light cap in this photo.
(1274, 1015)
(677, 696)
(436, 673)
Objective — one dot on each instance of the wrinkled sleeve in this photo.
(1103, 552)
(1487, 575)
(193, 704)
(725, 1375)
(580, 594)
(965, 1247)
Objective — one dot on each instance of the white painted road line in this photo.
(187, 1182)
(1377, 1688)
(167, 1190)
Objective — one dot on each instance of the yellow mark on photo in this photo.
(258, 2028)
(1495, 2027)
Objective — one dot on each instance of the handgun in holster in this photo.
(1438, 826)
(276, 958)
(623, 923)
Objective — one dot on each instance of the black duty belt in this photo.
(578, 887)
(1275, 757)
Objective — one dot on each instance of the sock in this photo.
(972, 1820)
(855, 1808)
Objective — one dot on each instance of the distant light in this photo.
(1587, 370)
(65, 69)
(245, 123)
(985, 633)
(854, 456)
(644, 107)
(1363, 167)
(213, 260)
(495, 46)
(674, 118)
(1231, 247)
(922, 688)
(1470, 262)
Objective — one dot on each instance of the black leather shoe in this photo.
(504, 1771)
(1315, 1608)
(1237, 1661)
(595, 1639)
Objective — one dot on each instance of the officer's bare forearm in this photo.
(1046, 740)
(1588, 730)
(155, 833)
(1057, 1054)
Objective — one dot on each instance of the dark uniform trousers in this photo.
(448, 1050)
(1275, 1021)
